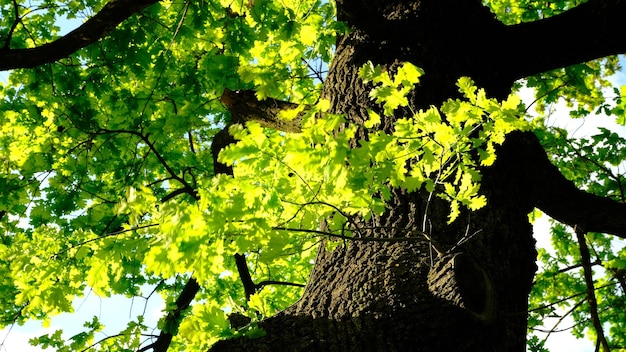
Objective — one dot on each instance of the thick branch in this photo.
(589, 31)
(551, 192)
(97, 27)
(591, 296)
(568, 204)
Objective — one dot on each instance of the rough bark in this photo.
(382, 296)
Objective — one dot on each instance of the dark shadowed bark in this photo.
(404, 296)
(589, 31)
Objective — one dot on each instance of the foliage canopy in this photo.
(109, 182)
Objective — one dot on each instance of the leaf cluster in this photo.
(596, 164)
(103, 153)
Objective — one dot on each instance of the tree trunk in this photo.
(404, 296)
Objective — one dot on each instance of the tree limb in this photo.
(16, 22)
(589, 31)
(172, 319)
(187, 188)
(591, 296)
(261, 284)
(97, 27)
(565, 315)
(550, 191)
(567, 298)
(220, 141)
(244, 273)
(244, 106)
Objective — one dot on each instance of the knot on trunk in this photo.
(458, 279)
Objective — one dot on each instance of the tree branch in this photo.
(110, 234)
(591, 296)
(220, 141)
(97, 27)
(576, 266)
(172, 319)
(16, 9)
(570, 311)
(244, 106)
(566, 299)
(187, 188)
(589, 31)
(244, 273)
(526, 163)
(569, 205)
(273, 282)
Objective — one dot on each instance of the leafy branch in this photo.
(591, 297)
(173, 318)
(110, 234)
(566, 299)
(16, 22)
(187, 188)
(111, 337)
(95, 28)
(617, 178)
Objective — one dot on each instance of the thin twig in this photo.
(578, 304)
(110, 234)
(566, 299)
(565, 83)
(110, 337)
(183, 302)
(145, 138)
(272, 282)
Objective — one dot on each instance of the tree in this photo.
(200, 148)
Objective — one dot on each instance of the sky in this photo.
(113, 312)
